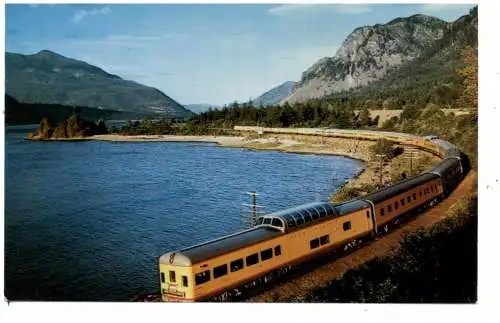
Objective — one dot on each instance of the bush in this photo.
(386, 148)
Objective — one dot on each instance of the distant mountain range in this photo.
(368, 54)
(49, 78)
(200, 107)
(275, 95)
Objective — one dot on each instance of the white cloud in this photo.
(285, 10)
(80, 14)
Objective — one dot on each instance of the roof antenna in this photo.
(252, 220)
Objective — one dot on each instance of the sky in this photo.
(201, 53)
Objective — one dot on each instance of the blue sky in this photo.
(200, 53)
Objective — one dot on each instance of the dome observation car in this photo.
(302, 215)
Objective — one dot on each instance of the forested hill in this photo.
(49, 78)
(26, 113)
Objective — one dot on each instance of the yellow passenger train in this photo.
(222, 267)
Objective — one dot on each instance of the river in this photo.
(87, 221)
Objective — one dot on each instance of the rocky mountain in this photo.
(431, 77)
(367, 54)
(49, 78)
(275, 95)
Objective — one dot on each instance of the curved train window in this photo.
(307, 217)
(220, 271)
(396, 205)
(260, 221)
(324, 239)
(315, 215)
(300, 221)
(347, 225)
(389, 208)
(171, 274)
(267, 221)
(322, 213)
(201, 278)
(402, 201)
(162, 277)
(314, 243)
(266, 254)
(408, 199)
(277, 250)
(277, 223)
(252, 259)
(382, 211)
(236, 265)
(185, 281)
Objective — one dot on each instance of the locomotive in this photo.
(221, 268)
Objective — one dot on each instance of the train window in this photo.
(382, 211)
(402, 201)
(414, 196)
(266, 254)
(314, 243)
(408, 198)
(396, 205)
(277, 250)
(347, 225)
(236, 265)
(389, 208)
(172, 276)
(368, 214)
(324, 239)
(220, 271)
(432, 188)
(201, 278)
(277, 223)
(307, 217)
(420, 193)
(267, 221)
(315, 215)
(162, 277)
(300, 221)
(185, 281)
(260, 221)
(252, 259)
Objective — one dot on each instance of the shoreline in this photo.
(296, 144)
(353, 149)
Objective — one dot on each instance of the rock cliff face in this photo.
(72, 128)
(367, 54)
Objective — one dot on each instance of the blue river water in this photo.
(87, 221)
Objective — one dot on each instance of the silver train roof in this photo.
(270, 226)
